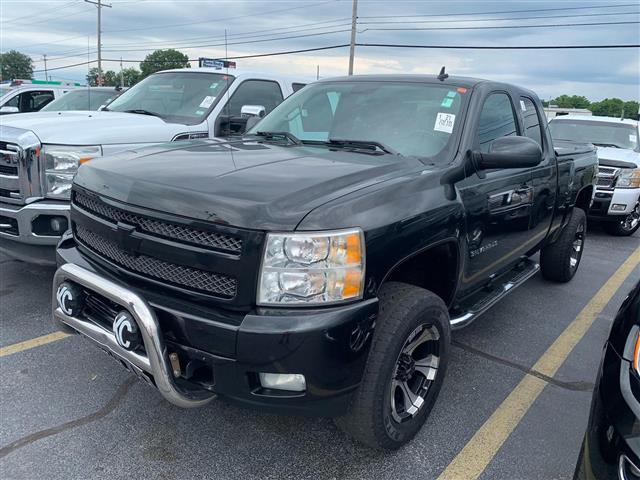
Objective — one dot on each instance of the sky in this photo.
(65, 30)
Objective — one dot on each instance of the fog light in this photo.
(619, 207)
(58, 224)
(294, 382)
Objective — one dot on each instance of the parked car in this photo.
(83, 99)
(23, 96)
(42, 150)
(611, 447)
(319, 264)
(617, 197)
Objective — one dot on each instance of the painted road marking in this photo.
(472, 460)
(34, 342)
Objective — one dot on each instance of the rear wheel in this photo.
(559, 261)
(625, 227)
(405, 369)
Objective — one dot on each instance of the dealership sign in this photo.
(215, 63)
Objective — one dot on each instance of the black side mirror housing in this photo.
(509, 152)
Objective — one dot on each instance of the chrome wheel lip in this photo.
(414, 384)
(632, 220)
(577, 247)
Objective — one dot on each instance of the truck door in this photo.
(544, 176)
(498, 206)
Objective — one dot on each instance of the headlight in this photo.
(61, 163)
(629, 179)
(312, 268)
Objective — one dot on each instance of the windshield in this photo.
(609, 134)
(176, 97)
(4, 90)
(413, 119)
(81, 100)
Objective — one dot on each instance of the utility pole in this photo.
(46, 76)
(121, 74)
(352, 49)
(99, 4)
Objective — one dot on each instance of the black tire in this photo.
(407, 315)
(559, 261)
(625, 227)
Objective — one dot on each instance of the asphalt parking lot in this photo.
(69, 411)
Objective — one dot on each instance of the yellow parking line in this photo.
(472, 460)
(34, 342)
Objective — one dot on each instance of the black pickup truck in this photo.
(318, 264)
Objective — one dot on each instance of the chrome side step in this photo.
(500, 291)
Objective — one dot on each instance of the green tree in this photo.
(571, 101)
(14, 64)
(609, 107)
(130, 76)
(109, 78)
(163, 60)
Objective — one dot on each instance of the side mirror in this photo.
(5, 110)
(248, 111)
(509, 152)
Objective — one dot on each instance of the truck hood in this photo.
(95, 128)
(246, 185)
(612, 156)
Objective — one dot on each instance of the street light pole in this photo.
(44, 57)
(99, 4)
(352, 49)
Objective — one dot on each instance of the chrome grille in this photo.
(9, 179)
(607, 177)
(156, 227)
(179, 275)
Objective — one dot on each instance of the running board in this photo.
(512, 280)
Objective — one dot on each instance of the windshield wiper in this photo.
(606, 145)
(363, 144)
(141, 111)
(285, 135)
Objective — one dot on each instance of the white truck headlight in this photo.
(312, 268)
(629, 179)
(61, 164)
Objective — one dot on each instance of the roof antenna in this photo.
(442, 76)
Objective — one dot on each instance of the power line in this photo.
(31, 16)
(475, 20)
(498, 27)
(496, 47)
(260, 14)
(67, 66)
(509, 11)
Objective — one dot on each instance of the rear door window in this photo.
(254, 92)
(531, 117)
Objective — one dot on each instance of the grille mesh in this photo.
(157, 227)
(179, 275)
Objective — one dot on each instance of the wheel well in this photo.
(435, 269)
(583, 200)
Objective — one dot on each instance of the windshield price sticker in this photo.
(207, 101)
(633, 138)
(523, 107)
(444, 122)
(451, 94)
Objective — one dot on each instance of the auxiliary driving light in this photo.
(619, 207)
(293, 382)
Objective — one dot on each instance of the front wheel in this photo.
(559, 260)
(405, 369)
(625, 227)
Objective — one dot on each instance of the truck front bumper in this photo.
(614, 205)
(31, 232)
(192, 358)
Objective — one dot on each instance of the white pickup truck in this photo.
(617, 197)
(40, 152)
(22, 96)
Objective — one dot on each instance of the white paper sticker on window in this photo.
(633, 138)
(207, 102)
(444, 122)
(523, 107)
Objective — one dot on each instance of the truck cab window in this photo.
(532, 128)
(254, 92)
(496, 120)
